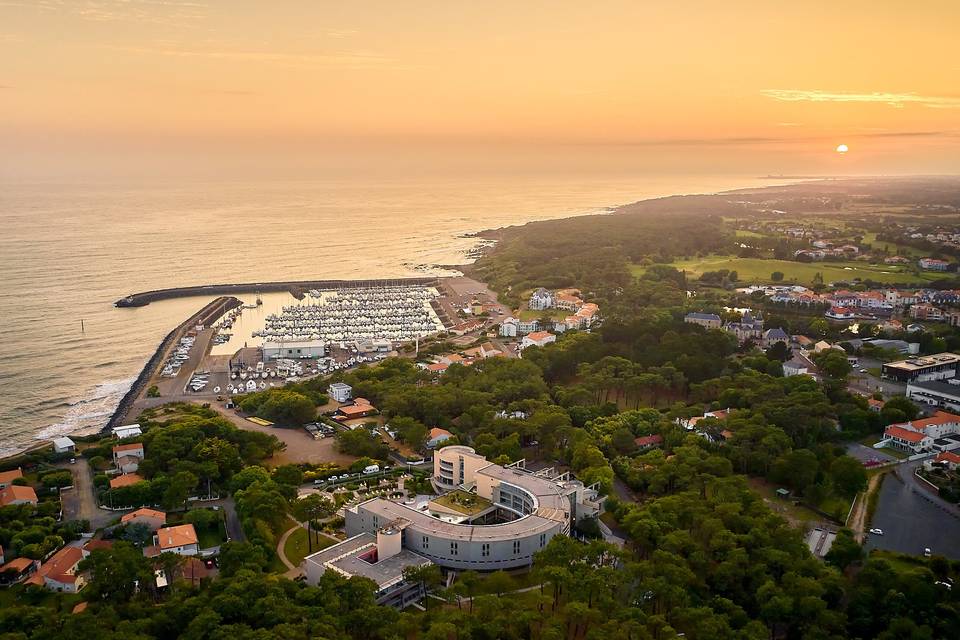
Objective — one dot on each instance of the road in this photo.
(913, 519)
(80, 502)
(231, 520)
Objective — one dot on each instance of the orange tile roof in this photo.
(436, 432)
(125, 480)
(133, 446)
(357, 409)
(940, 417)
(178, 536)
(15, 493)
(61, 564)
(6, 477)
(18, 564)
(145, 512)
(437, 366)
(904, 434)
(93, 545)
(539, 335)
(948, 456)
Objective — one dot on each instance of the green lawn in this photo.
(897, 249)
(553, 314)
(296, 548)
(746, 233)
(758, 270)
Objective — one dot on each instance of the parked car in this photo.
(926, 552)
(876, 532)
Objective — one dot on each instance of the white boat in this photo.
(216, 389)
(263, 385)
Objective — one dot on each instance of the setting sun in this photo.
(842, 148)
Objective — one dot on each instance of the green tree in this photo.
(849, 476)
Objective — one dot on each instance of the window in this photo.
(516, 547)
(485, 549)
(453, 548)
(543, 539)
(426, 542)
(376, 522)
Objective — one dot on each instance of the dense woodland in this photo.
(705, 556)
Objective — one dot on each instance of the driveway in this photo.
(231, 520)
(913, 519)
(863, 453)
(80, 502)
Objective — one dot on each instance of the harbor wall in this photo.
(295, 287)
(211, 312)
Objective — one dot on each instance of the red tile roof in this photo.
(648, 441)
(178, 536)
(904, 434)
(125, 480)
(61, 564)
(133, 446)
(15, 493)
(6, 477)
(18, 564)
(947, 456)
(145, 512)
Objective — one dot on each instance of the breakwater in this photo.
(208, 314)
(296, 287)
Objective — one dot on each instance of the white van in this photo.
(373, 468)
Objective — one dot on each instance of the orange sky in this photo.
(788, 80)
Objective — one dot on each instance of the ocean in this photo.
(68, 251)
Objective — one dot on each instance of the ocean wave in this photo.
(90, 412)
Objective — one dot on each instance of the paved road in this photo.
(232, 520)
(864, 453)
(80, 502)
(913, 519)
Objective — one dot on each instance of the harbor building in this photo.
(941, 366)
(294, 349)
(488, 517)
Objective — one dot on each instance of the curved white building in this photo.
(491, 517)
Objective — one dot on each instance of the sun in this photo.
(842, 148)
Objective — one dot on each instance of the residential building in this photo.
(748, 328)
(840, 313)
(947, 459)
(567, 300)
(647, 442)
(339, 391)
(528, 326)
(510, 328)
(360, 408)
(16, 494)
(17, 570)
(941, 366)
(707, 320)
(63, 444)
(125, 480)
(933, 264)
(537, 339)
(924, 311)
(150, 518)
(773, 336)
(798, 365)
(905, 439)
(540, 300)
(59, 573)
(875, 405)
(437, 437)
(127, 457)
(7, 477)
(923, 434)
(181, 539)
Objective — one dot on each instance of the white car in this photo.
(876, 532)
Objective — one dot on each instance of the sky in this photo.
(741, 85)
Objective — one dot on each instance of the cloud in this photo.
(164, 12)
(898, 100)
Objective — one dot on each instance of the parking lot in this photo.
(912, 520)
(866, 454)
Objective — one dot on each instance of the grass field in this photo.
(553, 314)
(758, 270)
(898, 249)
(296, 548)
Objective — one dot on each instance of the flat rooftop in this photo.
(915, 364)
(937, 386)
(348, 556)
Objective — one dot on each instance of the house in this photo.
(537, 339)
(896, 260)
(339, 391)
(510, 328)
(839, 313)
(16, 494)
(466, 327)
(64, 444)
(798, 365)
(773, 336)
(95, 544)
(947, 459)
(875, 405)
(127, 457)
(17, 570)
(181, 539)
(527, 326)
(128, 431)
(148, 517)
(748, 328)
(823, 345)
(933, 264)
(587, 313)
(438, 436)
(706, 320)
(540, 299)
(906, 439)
(924, 311)
(7, 477)
(125, 480)
(646, 442)
(567, 301)
(59, 573)
(437, 367)
(360, 408)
